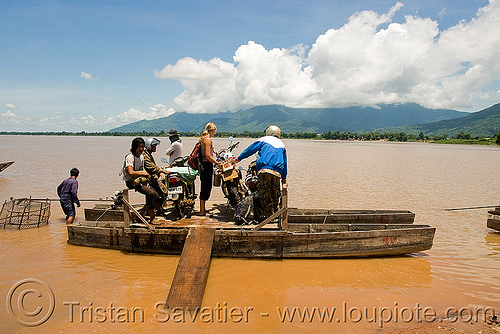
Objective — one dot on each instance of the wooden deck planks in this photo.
(188, 284)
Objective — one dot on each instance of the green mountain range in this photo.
(292, 120)
(484, 123)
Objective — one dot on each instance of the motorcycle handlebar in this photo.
(230, 148)
(233, 146)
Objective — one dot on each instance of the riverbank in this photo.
(480, 141)
(461, 139)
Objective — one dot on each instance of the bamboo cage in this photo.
(24, 213)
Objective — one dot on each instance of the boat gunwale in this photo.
(295, 216)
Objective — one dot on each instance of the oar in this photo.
(474, 207)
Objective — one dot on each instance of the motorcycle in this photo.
(179, 180)
(228, 177)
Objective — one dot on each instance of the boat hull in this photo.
(494, 222)
(4, 165)
(300, 241)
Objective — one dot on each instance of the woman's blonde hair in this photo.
(210, 126)
(203, 135)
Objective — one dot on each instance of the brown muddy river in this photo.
(99, 290)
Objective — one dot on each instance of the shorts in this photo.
(68, 208)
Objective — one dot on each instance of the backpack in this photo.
(194, 157)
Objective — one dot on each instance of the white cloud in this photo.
(190, 69)
(442, 12)
(9, 118)
(9, 115)
(129, 116)
(88, 76)
(159, 110)
(368, 61)
(10, 106)
(90, 123)
(209, 85)
(134, 115)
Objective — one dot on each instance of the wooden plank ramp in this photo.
(190, 279)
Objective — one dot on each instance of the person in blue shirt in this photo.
(271, 168)
(68, 195)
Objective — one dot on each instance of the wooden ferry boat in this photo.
(494, 219)
(301, 234)
(4, 165)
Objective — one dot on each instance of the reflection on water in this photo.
(460, 270)
(492, 240)
(354, 273)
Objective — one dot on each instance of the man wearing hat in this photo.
(175, 149)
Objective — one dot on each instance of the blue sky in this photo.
(95, 65)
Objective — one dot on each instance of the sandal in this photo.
(155, 222)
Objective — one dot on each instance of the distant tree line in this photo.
(329, 135)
